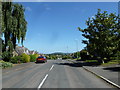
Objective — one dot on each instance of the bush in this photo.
(6, 56)
(25, 58)
(16, 59)
(33, 58)
(4, 64)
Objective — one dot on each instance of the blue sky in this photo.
(52, 27)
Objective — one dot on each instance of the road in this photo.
(53, 74)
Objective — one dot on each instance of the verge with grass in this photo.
(112, 62)
(4, 64)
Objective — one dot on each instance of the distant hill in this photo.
(60, 53)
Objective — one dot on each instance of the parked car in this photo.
(41, 59)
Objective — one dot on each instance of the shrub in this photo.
(16, 59)
(6, 56)
(33, 58)
(36, 55)
(4, 64)
(25, 58)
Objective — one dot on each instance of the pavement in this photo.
(110, 73)
(53, 74)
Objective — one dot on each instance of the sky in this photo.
(52, 26)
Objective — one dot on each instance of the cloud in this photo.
(92, 17)
(28, 9)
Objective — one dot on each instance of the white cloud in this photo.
(28, 9)
(93, 17)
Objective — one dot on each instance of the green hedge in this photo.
(33, 57)
(16, 59)
(25, 58)
(4, 64)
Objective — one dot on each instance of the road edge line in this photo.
(103, 78)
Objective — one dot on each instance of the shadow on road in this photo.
(71, 64)
(79, 64)
(115, 69)
(39, 62)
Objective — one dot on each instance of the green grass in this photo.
(91, 61)
(4, 64)
(76, 59)
(112, 62)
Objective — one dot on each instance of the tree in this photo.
(14, 25)
(83, 54)
(101, 34)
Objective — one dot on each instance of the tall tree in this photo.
(102, 34)
(14, 25)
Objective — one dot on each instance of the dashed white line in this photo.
(51, 68)
(45, 78)
(42, 81)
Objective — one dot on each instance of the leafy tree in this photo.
(102, 35)
(14, 25)
(83, 54)
(76, 55)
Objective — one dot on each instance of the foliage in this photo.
(6, 56)
(51, 56)
(66, 57)
(16, 59)
(4, 64)
(76, 55)
(84, 55)
(91, 61)
(33, 57)
(111, 62)
(13, 26)
(102, 34)
(25, 58)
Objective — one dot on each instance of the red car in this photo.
(41, 59)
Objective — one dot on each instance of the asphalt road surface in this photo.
(53, 74)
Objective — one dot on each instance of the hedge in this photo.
(33, 57)
(25, 58)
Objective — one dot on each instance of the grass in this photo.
(4, 64)
(91, 61)
(112, 62)
(76, 59)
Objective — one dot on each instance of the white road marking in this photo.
(103, 78)
(110, 82)
(51, 68)
(42, 81)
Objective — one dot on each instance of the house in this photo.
(19, 50)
